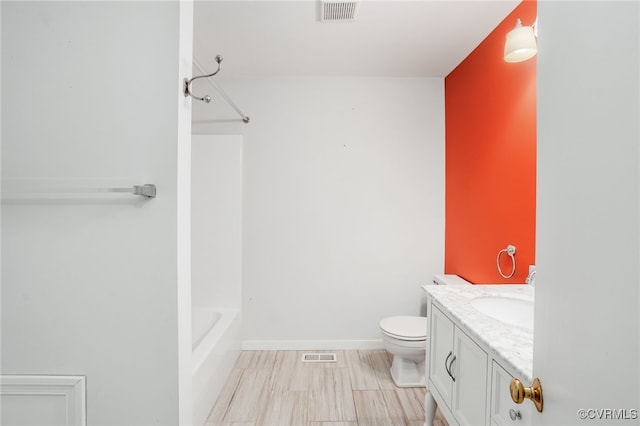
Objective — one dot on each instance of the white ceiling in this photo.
(419, 38)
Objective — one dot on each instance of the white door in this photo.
(587, 327)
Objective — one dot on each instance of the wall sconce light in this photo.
(521, 43)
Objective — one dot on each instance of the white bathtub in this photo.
(215, 349)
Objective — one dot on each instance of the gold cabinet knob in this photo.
(519, 392)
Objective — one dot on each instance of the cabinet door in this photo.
(441, 351)
(469, 403)
(503, 410)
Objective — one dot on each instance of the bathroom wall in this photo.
(91, 285)
(491, 159)
(343, 202)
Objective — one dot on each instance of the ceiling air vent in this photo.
(339, 10)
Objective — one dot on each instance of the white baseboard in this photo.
(310, 345)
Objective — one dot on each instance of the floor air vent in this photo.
(339, 10)
(323, 357)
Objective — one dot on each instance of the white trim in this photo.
(310, 345)
(183, 214)
(72, 388)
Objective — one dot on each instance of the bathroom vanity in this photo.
(479, 337)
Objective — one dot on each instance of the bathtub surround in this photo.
(343, 204)
(99, 288)
(216, 215)
(214, 356)
(216, 265)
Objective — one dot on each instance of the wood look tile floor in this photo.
(272, 388)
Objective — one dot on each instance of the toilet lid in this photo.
(405, 328)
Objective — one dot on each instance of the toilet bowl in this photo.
(405, 337)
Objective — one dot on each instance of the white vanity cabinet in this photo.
(458, 371)
(503, 410)
(472, 357)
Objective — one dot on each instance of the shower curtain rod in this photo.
(207, 99)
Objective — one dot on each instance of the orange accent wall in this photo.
(490, 122)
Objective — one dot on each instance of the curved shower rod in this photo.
(207, 98)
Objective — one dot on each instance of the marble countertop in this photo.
(511, 345)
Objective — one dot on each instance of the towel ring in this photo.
(511, 251)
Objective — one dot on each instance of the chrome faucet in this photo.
(531, 278)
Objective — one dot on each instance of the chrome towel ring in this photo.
(511, 251)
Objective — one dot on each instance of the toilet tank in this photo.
(449, 279)
(442, 279)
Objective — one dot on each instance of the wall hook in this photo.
(187, 82)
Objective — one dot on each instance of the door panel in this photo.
(441, 350)
(470, 370)
(587, 327)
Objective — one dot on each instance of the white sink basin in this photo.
(506, 309)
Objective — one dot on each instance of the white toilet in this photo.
(405, 337)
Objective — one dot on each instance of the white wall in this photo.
(91, 93)
(588, 210)
(216, 221)
(343, 201)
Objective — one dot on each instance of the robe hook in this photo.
(187, 82)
